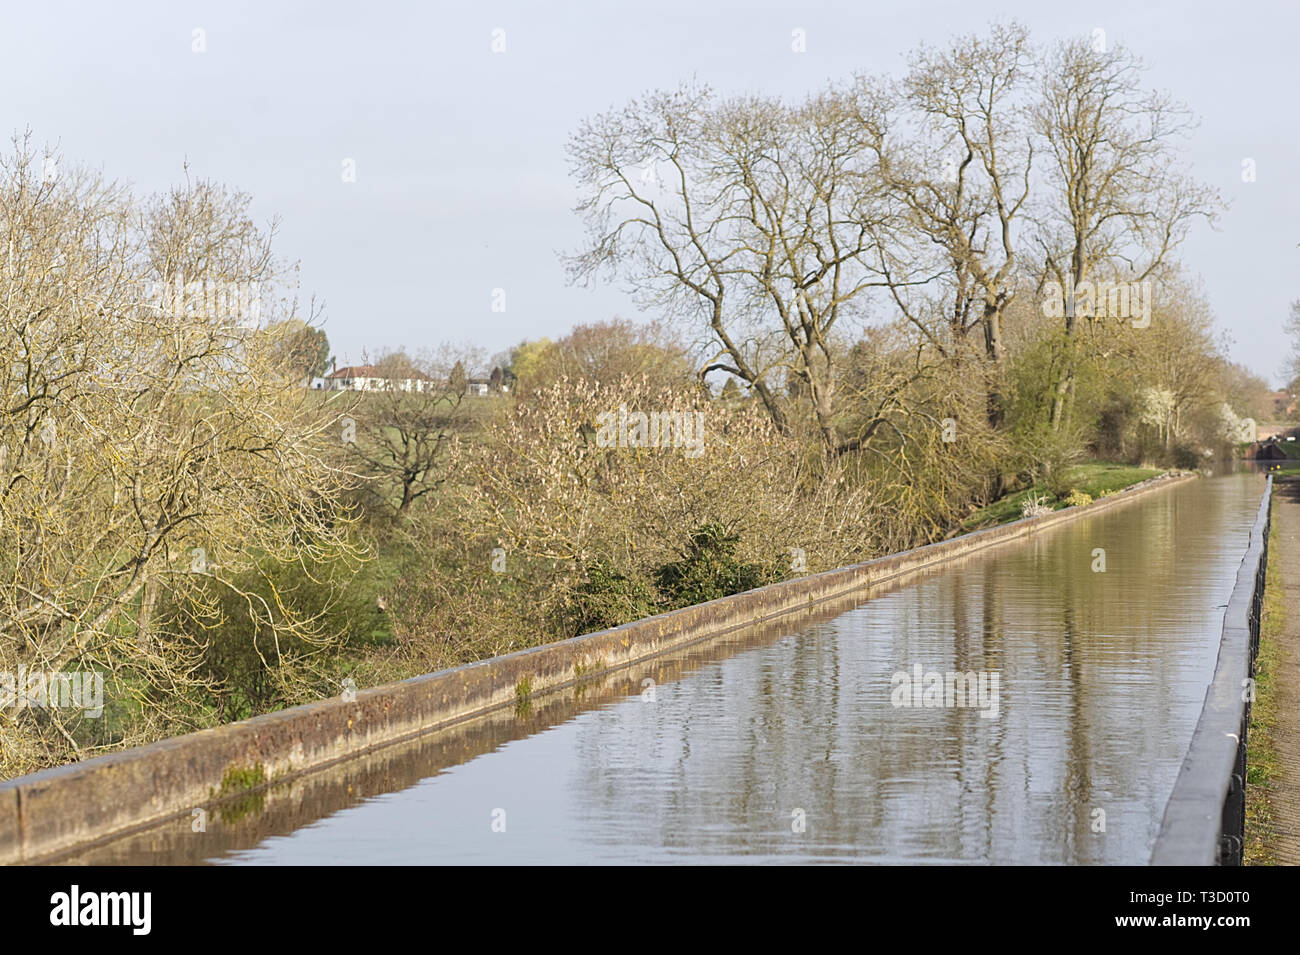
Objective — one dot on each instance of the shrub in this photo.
(243, 665)
(606, 598)
(709, 568)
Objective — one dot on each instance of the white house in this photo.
(369, 378)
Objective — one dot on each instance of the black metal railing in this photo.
(1205, 819)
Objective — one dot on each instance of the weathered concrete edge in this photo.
(57, 809)
(1191, 828)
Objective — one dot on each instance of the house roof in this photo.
(371, 371)
(356, 371)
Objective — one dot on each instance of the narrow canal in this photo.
(793, 744)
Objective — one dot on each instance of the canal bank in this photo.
(790, 746)
(56, 810)
(1273, 785)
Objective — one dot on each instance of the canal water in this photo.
(1088, 650)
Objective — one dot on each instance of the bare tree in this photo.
(150, 440)
(404, 427)
(762, 219)
(1116, 202)
(1292, 366)
(962, 182)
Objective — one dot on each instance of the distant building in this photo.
(370, 378)
(495, 384)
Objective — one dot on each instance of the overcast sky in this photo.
(461, 179)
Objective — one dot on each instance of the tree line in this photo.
(886, 305)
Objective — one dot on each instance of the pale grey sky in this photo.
(461, 180)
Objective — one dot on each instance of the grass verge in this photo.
(1261, 753)
(1094, 478)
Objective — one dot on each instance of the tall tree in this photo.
(457, 380)
(1116, 202)
(305, 347)
(151, 445)
(962, 181)
(759, 218)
